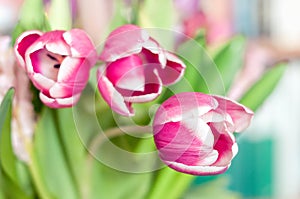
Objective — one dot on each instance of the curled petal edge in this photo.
(197, 170)
(22, 38)
(59, 102)
(112, 96)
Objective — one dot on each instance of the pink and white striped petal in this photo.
(202, 170)
(24, 41)
(59, 102)
(240, 115)
(84, 48)
(127, 73)
(112, 96)
(124, 41)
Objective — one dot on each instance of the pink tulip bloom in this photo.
(194, 132)
(136, 69)
(58, 63)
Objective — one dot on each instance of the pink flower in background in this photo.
(23, 114)
(186, 8)
(58, 63)
(194, 132)
(135, 70)
(215, 17)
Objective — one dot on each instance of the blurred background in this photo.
(268, 163)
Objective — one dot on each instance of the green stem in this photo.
(98, 141)
(34, 170)
(118, 131)
(161, 183)
(65, 153)
(183, 182)
(60, 15)
(167, 180)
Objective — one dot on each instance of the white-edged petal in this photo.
(41, 82)
(197, 170)
(112, 96)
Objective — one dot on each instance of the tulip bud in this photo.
(58, 64)
(193, 132)
(136, 68)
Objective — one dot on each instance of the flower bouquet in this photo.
(139, 115)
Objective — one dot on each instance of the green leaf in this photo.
(1, 193)
(12, 190)
(5, 109)
(113, 184)
(99, 180)
(118, 17)
(60, 15)
(7, 157)
(32, 17)
(200, 38)
(49, 163)
(74, 149)
(32, 13)
(104, 177)
(164, 181)
(259, 92)
(201, 74)
(229, 59)
(153, 14)
(25, 179)
(11, 182)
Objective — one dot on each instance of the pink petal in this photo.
(127, 73)
(37, 46)
(152, 58)
(191, 103)
(54, 42)
(39, 62)
(58, 47)
(197, 170)
(170, 71)
(142, 98)
(74, 71)
(112, 96)
(67, 102)
(123, 41)
(199, 129)
(146, 92)
(215, 117)
(41, 82)
(153, 47)
(72, 77)
(224, 143)
(192, 132)
(63, 90)
(59, 102)
(23, 42)
(80, 45)
(173, 71)
(190, 143)
(241, 115)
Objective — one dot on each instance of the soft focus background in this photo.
(268, 164)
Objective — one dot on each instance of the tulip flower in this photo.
(193, 132)
(58, 63)
(136, 68)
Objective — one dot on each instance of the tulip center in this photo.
(47, 63)
(56, 58)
